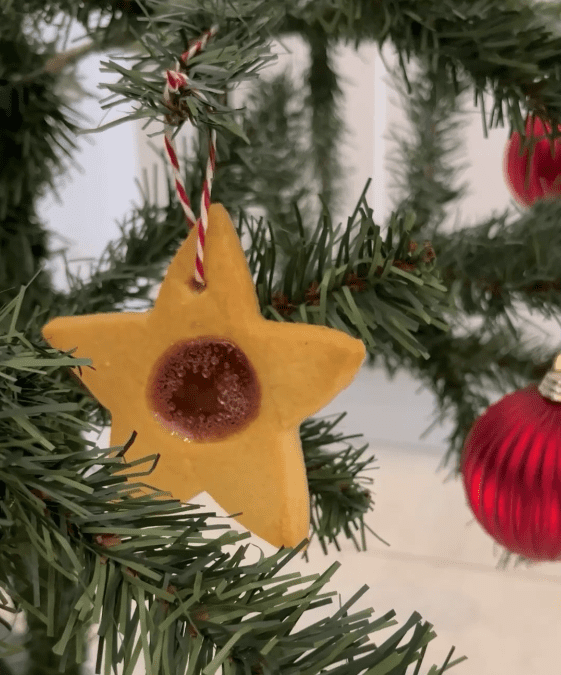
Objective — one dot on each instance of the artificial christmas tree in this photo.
(88, 541)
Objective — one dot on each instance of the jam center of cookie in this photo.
(204, 389)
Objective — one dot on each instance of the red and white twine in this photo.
(175, 79)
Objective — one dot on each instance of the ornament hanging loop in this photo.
(550, 386)
(176, 80)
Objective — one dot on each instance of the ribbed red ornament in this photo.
(536, 173)
(511, 467)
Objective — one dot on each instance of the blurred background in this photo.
(439, 561)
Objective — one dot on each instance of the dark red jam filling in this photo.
(204, 389)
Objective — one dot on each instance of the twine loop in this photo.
(175, 80)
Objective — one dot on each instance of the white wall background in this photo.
(505, 622)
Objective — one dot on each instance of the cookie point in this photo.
(48, 332)
(217, 210)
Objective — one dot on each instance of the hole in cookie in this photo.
(196, 286)
(204, 389)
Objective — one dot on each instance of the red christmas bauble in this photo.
(534, 174)
(511, 468)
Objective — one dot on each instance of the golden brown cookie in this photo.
(213, 387)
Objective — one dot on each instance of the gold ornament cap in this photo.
(550, 386)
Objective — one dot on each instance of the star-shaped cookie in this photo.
(213, 387)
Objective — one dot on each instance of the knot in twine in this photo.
(176, 80)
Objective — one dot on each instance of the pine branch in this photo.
(518, 263)
(424, 158)
(33, 149)
(35, 139)
(490, 269)
(456, 37)
(235, 54)
(378, 289)
(273, 171)
(451, 36)
(57, 62)
(139, 562)
(468, 370)
(326, 125)
(339, 500)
